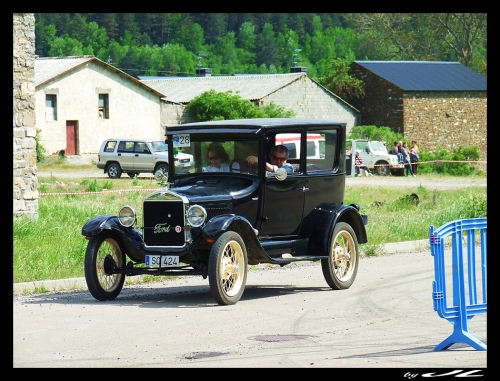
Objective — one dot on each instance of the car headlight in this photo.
(196, 215)
(127, 216)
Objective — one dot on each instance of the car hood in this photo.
(217, 189)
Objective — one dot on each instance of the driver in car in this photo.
(278, 156)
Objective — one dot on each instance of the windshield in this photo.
(378, 146)
(215, 155)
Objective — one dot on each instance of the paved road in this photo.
(287, 318)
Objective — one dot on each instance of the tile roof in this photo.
(251, 87)
(427, 75)
(49, 68)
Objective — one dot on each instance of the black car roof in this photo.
(249, 126)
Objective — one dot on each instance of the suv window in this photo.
(141, 147)
(110, 146)
(126, 146)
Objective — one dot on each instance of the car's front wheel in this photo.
(102, 255)
(161, 169)
(341, 266)
(114, 171)
(227, 268)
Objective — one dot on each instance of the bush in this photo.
(441, 161)
(40, 150)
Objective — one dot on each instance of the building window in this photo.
(103, 106)
(50, 107)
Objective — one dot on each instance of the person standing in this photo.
(414, 156)
(406, 158)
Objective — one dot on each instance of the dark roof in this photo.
(427, 75)
(251, 126)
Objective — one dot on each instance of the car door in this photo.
(284, 202)
(126, 155)
(143, 160)
(324, 183)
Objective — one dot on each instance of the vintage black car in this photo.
(215, 224)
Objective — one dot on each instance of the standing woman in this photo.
(414, 155)
(406, 158)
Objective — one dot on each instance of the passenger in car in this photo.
(218, 159)
(278, 156)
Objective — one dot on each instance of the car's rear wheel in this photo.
(114, 171)
(102, 255)
(227, 268)
(382, 168)
(341, 266)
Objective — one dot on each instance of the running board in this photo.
(288, 258)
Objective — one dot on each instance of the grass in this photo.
(53, 248)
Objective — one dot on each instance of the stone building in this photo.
(294, 91)
(24, 148)
(438, 104)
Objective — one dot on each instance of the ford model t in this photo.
(216, 221)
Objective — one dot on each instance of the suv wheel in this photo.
(163, 169)
(382, 169)
(227, 268)
(341, 266)
(114, 171)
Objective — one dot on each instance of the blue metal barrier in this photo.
(464, 278)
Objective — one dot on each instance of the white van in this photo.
(315, 145)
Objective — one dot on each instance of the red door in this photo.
(71, 137)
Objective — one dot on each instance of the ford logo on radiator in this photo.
(162, 228)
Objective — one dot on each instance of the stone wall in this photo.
(382, 104)
(24, 151)
(446, 120)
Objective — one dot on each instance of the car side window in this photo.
(321, 150)
(110, 146)
(141, 147)
(126, 146)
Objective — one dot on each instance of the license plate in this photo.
(166, 260)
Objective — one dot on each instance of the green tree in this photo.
(463, 33)
(66, 46)
(339, 82)
(97, 40)
(267, 48)
(246, 37)
(78, 27)
(212, 105)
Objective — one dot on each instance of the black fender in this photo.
(225, 222)
(319, 225)
(130, 239)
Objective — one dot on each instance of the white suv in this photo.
(134, 156)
